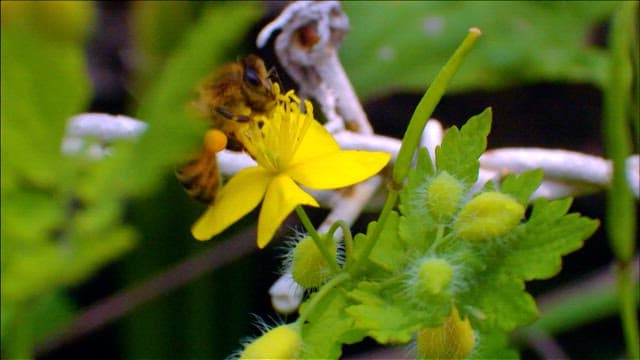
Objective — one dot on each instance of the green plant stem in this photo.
(577, 303)
(617, 138)
(363, 258)
(317, 297)
(426, 106)
(628, 302)
(306, 222)
(20, 344)
(620, 209)
(439, 236)
(411, 139)
(346, 234)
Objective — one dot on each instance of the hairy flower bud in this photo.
(452, 340)
(281, 342)
(488, 215)
(310, 268)
(444, 194)
(433, 276)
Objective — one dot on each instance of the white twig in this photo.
(566, 173)
(286, 294)
(91, 133)
(432, 137)
(312, 31)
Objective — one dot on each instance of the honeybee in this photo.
(229, 98)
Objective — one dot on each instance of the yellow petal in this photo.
(238, 197)
(283, 195)
(338, 169)
(317, 141)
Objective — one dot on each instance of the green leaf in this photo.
(383, 319)
(500, 299)
(522, 186)
(492, 345)
(28, 219)
(328, 327)
(460, 149)
(43, 84)
(405, 43)
(23, 325)
(389, 252)
(158, 27)
(416, 226)
(417, 180)
(536, 247)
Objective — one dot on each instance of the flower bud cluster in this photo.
(458, 229)
(489, 215)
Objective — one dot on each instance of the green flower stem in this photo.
(317, 297)
(426, 106)
(439, 236)
(628, 303)
(617, 139)
(412, 138)
(21, 339)
(620, 212)
(306, 222)
(363, 258)
(576, 304)
(346, 233)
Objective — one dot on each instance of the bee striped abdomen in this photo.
(200, 177)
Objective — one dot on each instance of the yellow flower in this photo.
(290, 148)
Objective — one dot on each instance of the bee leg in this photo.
(235, 145)
(231, 116)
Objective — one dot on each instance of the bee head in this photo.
(257, 86)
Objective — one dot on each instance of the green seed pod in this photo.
(310, 268)
(488, 215)
(444, 194)
(433, 276)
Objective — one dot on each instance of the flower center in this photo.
(273, 139)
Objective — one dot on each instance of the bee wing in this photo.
(200, 176)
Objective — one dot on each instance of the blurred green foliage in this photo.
(400, 45)
(53, 235)
(62, 217)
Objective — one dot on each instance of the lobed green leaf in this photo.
(460, 149)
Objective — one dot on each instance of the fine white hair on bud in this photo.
(309, 267)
